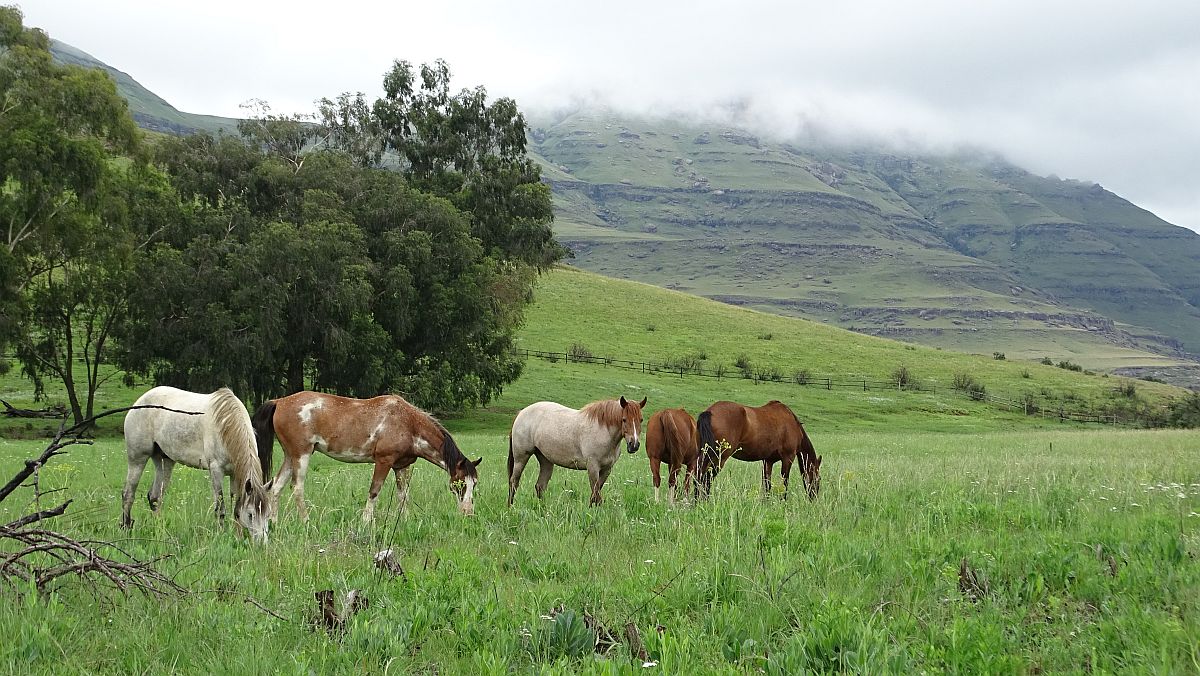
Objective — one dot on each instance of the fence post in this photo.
(828, 384)
(864, 384)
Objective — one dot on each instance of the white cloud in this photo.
(1104, 91)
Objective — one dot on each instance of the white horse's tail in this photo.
(232, 422)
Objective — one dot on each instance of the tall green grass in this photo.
(863, 579)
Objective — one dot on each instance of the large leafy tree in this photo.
(65, 235)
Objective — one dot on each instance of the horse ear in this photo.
(623, 402)
(819, 460)
(643, 404)
(476, 463)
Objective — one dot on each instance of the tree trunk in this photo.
(295, 375)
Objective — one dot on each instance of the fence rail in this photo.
(775, 374)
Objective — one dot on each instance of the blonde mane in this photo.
(606, 412)
(232, 422)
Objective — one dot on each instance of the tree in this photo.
(457, 146)
(62, 216)
(304, 258)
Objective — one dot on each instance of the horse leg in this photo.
(281, 478)
(132, 476)
(545, 469)
(655, 468)
(403, 477)
(218, 488)
(377, 477)
(598, 476)
(768, 469)
(785, 468)
(672, 479)
(163, 466)
(298, 484)
(514, 473)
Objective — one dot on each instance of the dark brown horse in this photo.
(671, 435)
(769, 433)
(386, 431)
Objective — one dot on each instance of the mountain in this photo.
(962, 251)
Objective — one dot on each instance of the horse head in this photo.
(463, 477)
(631, 423)
(811, 471)
(253, 511)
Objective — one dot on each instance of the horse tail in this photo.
(672, 435)
(510, 458)
(232, 421)
(264, 432)
(708, 440)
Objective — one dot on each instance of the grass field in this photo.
(864, 579)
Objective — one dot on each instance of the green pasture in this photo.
(1083, 543)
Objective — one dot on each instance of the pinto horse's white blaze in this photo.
(386, 431)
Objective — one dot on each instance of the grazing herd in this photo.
(215, 432)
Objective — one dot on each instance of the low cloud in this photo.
(1103, 91)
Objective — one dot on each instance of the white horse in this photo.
(576, 439)
(220, 440)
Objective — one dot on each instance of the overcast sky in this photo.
(1099, 91)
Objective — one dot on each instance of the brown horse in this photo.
(387, 431)
(671, 434)
(769, 433)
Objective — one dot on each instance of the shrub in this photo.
(1025, 373)
(902, 377)
(977, 391)
(650, 327)
(801, 377)
(1047, 361)
(963, 381)
(771, 373)
(1127, 389)
(742, 362)
(998, 356)
(765, 336)
(1030, 403)
(579, 352)
(1068, 365)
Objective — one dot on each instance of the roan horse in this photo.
(671, 435)
(585, 439)
(769, 433)
(219, 440)
(387, 431)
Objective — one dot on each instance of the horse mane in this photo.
(451, 454)
(606, 412)
(232, 421)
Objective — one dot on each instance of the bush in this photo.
(801, 377)
(765, 336)
(902, 377)
(771, 373)
(1127, 389)
(579, 353)
(1068, 365)
(998, 356)
(742, 362)
(963, 381)
(1184, 412)
(1025, 373)
(1047, 361)
(1030, 403)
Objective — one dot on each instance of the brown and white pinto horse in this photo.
(769, 433)
(585, 439)
(671, 435)
(387, 431)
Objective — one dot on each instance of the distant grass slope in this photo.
(640, 322)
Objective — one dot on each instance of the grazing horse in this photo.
(769, 433)
(387, 431)
(585, 439)
(671, 434)
(219, 440)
